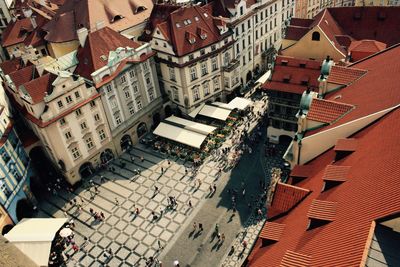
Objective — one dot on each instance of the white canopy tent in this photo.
(180, 135)
(263, 78)
(239, 103)
(215, 112)
(191, 125)
(34, 237)
(196, 111)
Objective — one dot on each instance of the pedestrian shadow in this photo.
(217, 245)
(191, 233)
(231, 217)
(197, 234)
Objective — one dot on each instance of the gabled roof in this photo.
(16, 32)
(344, 75)
(346, 144)
(74, 15)
(38, 87)
(327, 111)
(11, 65)
(289, 75)
(186, 21)
(285, 198)
(24, 75)
(360, 200)
(295, 33)
(375, 91)
(98, 44)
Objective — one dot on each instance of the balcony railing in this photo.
(232, 65)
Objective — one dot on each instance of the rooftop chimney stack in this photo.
(82, 36)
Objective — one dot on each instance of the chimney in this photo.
(33, 22)
(100, 25)
(82, 35)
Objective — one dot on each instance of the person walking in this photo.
(214, 188)
(155, 190)
(102, 179)
(137, 211)
(201, 227)
(96, 189)
(216, 228)
(141, 159)
(102, 215)
(132, 158)
(222, 238)
(162, 170)
(159, 244)
(116, 202)
(190, 204)
(194, 226)
(211, 189)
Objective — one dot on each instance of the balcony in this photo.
(232, 65)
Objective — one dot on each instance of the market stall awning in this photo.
(34, 237)
(191, 125)
(239, 103)
(196, 111)
(180, 135)
(264, 78)
(215, 112)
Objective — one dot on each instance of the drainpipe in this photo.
(298, 152)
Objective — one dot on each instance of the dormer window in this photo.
(206, 15)
(140, 9)
(116, 18)
(196, 18)
(190, 37)
(284, 62)
(192, 40)
(203, 36)
(178, 25)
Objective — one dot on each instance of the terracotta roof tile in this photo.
(272, 231)
(100, 43)
(302, 171)
(294, 259)
(11, 65)
(383, 69)
(295, 32)
(370, 194)
(327, 111)
(74, 15)
(336, 173)
(346, 144)
(285, 198)
(38, 87)
(16, 32)
(344, 75)
(322, 210)
(296, 70)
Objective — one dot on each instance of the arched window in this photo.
(315, 36)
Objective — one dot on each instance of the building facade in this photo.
(16, 199)
(124, 73)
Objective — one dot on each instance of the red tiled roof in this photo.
(285, 198)
(185, 17)
(375, 91)
(24, 75)
(327, 111)
(11, 65)
(16, 32)
(295, 73)
(344, 75)
(322, 210)
(370, 194)
(100, 43)
(295, 33)
(336, 173)
(74, 15)
(299, 22)
(364, 48)
(302, 171)
(347, 144)
(272, 231)
(38, 87)
(294, 259)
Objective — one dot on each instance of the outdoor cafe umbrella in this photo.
(65, 232)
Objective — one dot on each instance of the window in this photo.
(145, 66)
(248, 24)
(274, 22)
(216, 84)
(83, 126)
(78, 112)
(193, 74)
(244, 60)
(191, 57)
(203, 68)
(213, 48)
(96, 117)
(108, 88)
(175, 94)
(75, 153)
(227, 82)
(92, 104)
(131, 109)
(148, 81)
(244, 43)
(127, 94)
(77, 95)
(171, 73)
(206, 88)
(243, 27)
(202, 52)
(68, 135)
(151, 95)
(102, 135)
(117, 118)
(227, 58)
(214, 63)
(123, 78)
(196, 94)
(237, 49)
(62, 121)
(113, 103)
(132, 74)
(135, 88)
(249, 55)
(139, 104)
(60, 104)
(89, 143)
(241, 10)
(249, 39)
(315, 36)
(68, 99)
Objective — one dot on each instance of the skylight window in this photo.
(206, 15)
(178, 25)
(196, 18)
